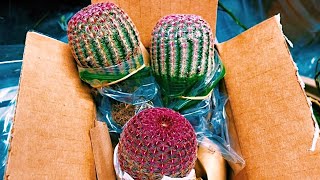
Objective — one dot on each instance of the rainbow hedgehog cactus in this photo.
(105, 43)
(182, 53)
(157, 142)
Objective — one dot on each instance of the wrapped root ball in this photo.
(157, 142)
(182, 53)
(105, 44)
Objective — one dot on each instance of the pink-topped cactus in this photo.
(105, 43)
(182, 52)
(157, 142)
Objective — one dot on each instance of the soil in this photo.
(122, 112)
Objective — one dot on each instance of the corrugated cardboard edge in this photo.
(271, 113)
(302, 85)
(145, 13)
(50, 135)
(102, 151)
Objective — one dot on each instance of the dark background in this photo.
(19, 16)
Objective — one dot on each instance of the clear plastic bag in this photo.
(7, 110)
(210, 122)
(118, 103)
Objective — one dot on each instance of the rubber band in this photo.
(127, 76)
(197, 97)
(97, 78)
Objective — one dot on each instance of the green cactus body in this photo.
(182, 53)
(104, 42)
(157, 142)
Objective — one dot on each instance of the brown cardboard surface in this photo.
(146, 13)
(103, 151)
(271, 114)
(54, 113)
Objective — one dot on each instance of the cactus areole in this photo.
(105, 43)
(157, 142)
(182, 52)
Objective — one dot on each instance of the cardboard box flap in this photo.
(54, 113)
(145, 13)
(271, 113)
(102, 151)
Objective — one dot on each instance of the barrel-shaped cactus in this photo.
(104, 42)
(182, 52)
(157, 142)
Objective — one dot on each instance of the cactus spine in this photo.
(157, 142)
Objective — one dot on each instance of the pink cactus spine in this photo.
(182, 52)
(102, 35)
(157, 142)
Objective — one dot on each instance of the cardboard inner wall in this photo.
(54, 113)
(146, 13)
(271, 113)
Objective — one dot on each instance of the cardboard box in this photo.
(271, 115)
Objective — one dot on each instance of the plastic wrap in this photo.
(10, 72)
(210, 122)
(118, 103)
(7, 109)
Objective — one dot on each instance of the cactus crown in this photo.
(182, 52)
(157, 142)
(103, 36)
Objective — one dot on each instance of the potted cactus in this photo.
(106, 46)
(183, 60)
(157, 142)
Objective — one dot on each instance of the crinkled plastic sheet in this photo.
(209, 120)
(6, 117)
(9, 80)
